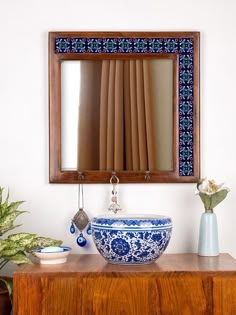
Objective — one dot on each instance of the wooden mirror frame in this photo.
(182, 47)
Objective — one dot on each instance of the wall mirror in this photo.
(123, 103)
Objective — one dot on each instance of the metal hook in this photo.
(114, 177)
(147, 175)
(80, 176)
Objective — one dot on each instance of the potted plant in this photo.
(15, 247)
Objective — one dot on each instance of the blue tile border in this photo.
(184, 47)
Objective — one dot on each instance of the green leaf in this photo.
(11, 251)
(7, 221)
(9, 218)
(3, 245)
(21, 237)
(217, 197)
(14, 244)
(3, 206)
(7, 198)
(206, 199)
(19, 258)
(14, 205)
(44, 242)
(7, 228)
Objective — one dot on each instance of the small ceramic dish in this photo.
(52, 255)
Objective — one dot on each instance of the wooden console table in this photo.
(178, 284)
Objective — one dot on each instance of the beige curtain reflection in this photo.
(140, 145)
(111, 140)
(120, 134)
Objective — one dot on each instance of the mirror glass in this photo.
(94, 136)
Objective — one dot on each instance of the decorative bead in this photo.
(72, 228)
(81, 241)
(114, 199)
(89, 230)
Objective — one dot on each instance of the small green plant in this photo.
(211, 193)
(16, 247)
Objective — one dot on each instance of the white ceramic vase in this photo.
(208, 244)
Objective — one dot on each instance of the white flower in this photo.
(211, 193)
(210, 187)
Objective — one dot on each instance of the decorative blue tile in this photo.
(186, 92)
(110, 45)
(185, 45)
(186, 76)
(62, 45)
(94, 45)
(171, 45)
(156, 45)
(185, 108)
(186, 168)
(186, 62)
(78, 45)
(186, 138)
(140, 45)
(186, 123)
(125, 45)
(186, 153)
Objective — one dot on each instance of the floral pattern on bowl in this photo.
(131, 240)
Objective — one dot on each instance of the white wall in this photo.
(24, 112)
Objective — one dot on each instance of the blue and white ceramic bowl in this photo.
(134, 239)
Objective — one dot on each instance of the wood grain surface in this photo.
(86, 285)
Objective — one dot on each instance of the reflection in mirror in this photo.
(117, 114)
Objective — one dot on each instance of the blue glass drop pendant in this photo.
(81, 241)
(72, 228)
(89, 230)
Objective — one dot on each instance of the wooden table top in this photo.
(94, 263)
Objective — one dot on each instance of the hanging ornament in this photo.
(72, 228)
(89, 230)
(114, 206)
(80, 219)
